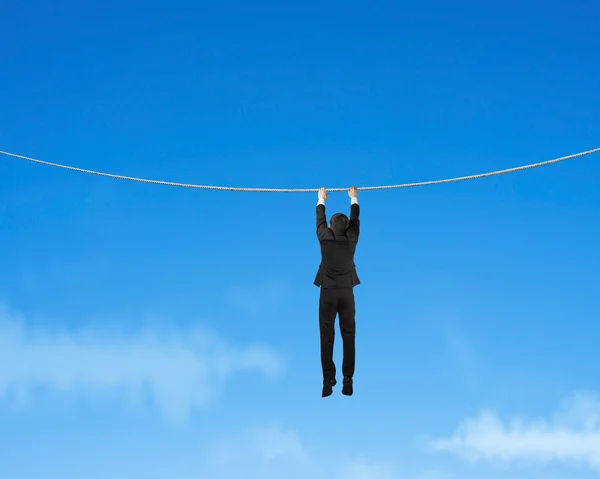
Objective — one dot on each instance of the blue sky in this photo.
(158, 332)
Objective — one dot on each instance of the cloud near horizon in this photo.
(572, 436)
(274, 452)
(181, 371)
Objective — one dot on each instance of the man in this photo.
(337, 277)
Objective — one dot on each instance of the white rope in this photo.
(306, 190)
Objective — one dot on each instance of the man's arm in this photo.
(321, 218)
(354, 222)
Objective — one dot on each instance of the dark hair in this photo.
(339, 221)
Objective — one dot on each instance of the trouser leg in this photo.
(327, 313)
(347, 311)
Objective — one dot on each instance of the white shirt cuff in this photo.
(353, 201)
(321, 202)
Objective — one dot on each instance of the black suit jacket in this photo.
(337, 268)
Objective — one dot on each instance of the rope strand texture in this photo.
(306, 190)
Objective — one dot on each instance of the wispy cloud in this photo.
(181, 370)
(275, 452)
(572, 435)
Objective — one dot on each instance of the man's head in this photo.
(338, 222)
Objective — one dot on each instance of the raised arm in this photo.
(321, 218)
(354, 222)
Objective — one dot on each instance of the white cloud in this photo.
(276, 452)
(572, 435)
(181, 370)
(267, 453)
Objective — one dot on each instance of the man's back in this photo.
(337, 268)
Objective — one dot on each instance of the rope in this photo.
(307, 190)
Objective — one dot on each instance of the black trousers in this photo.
(334, 302)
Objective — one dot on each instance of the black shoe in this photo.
(328, 387)
(347, 388)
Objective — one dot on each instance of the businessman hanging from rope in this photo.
(337, 277)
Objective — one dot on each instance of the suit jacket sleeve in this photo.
(321, 222)
(354, 222)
